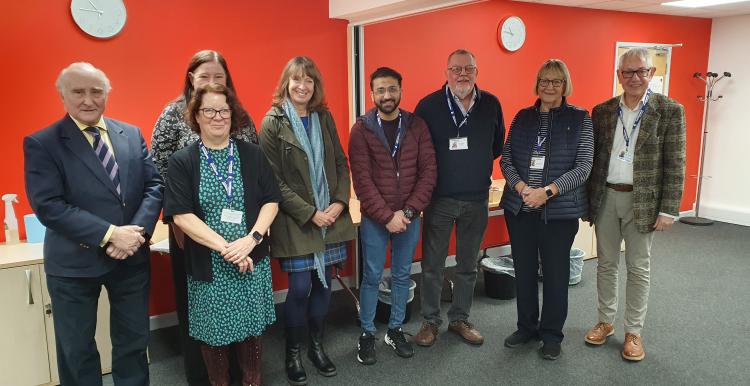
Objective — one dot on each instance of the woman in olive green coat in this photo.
(299, 138)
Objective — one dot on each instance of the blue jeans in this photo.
(374, 240)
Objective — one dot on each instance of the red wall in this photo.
(418, 47)
(146, 65)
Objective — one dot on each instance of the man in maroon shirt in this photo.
(394, 172)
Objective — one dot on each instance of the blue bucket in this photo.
(34, 229)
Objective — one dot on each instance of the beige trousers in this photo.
(614, 224)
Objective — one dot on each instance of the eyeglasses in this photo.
(556, 83)
(456, 70)
(210, 113)
(381, 91)
(642, 72)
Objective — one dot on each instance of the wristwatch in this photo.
(257, 237)
(549, 192)
(409, 213)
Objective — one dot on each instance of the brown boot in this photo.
(598, 334)
(248, 356)
(632, 350)
(216, 359)
(467, 331)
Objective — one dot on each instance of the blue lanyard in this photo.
(226, 182)
(453, 113)
(635, 123)
(539, 142)
(397, 144)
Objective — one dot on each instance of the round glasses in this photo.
(209, 113)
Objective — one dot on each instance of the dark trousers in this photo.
(74, 306)
(530, 239)
(470, 218)
(307, 300)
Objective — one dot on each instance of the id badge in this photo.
(625, 157)
(459, 143)
(231, 216)
(537, 162)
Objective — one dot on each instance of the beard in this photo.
(462, 90)
(381, 105)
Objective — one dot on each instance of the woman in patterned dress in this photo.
(222, 193)
(299, 138)
(171, 133)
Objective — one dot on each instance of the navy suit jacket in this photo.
(74, 198)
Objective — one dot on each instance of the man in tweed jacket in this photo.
(635, 189)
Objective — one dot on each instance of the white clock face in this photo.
(512, 33)
(99, 18)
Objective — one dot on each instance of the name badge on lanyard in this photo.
(459, 142)
(397, 143)
(228, 214)
(626, 155)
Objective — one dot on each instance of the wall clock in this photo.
(101, 19)
(511, 33)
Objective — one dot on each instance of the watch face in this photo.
(512, 33)
(257, 236)
(99, 18)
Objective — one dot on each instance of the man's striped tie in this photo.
(106, 157)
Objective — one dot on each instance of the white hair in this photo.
(639, 52)
(85, 67)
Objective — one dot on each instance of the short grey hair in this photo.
(461, 51)
(82, 66)
(639, 52)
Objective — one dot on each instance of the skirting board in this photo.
(732, 215)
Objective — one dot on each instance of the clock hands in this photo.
(92, 4)
(99, 12)
(508, 31)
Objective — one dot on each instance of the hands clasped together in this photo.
(238, 253)
(398, 223)
(327, 217)
(124, 241)
(532, 197)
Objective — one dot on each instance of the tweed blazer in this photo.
(659, 163)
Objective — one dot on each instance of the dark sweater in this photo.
(464, 174)
(182, 196)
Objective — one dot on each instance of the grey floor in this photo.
(697, 331)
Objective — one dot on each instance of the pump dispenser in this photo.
(11, 222)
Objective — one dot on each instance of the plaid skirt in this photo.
(335, 253)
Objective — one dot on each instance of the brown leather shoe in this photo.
(426, 335)
(467, 331)
(598, 334)
(632, 350)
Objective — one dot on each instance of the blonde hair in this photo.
(558, 66)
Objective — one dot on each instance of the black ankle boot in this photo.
(318, 356)
(295, 373)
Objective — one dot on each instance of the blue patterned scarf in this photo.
(315, 151)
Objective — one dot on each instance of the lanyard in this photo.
(453, 113)
(635, 123)
(397, 143)
(226, 182)
(539, 142)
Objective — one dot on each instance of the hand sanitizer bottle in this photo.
(11, 222)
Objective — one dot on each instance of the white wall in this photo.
(726, 194)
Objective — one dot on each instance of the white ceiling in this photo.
(653, 6)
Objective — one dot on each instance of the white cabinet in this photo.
(27, 333)
(23, 356)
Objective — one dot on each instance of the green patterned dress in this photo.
(234, 306)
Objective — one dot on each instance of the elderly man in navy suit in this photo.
(92, 183)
